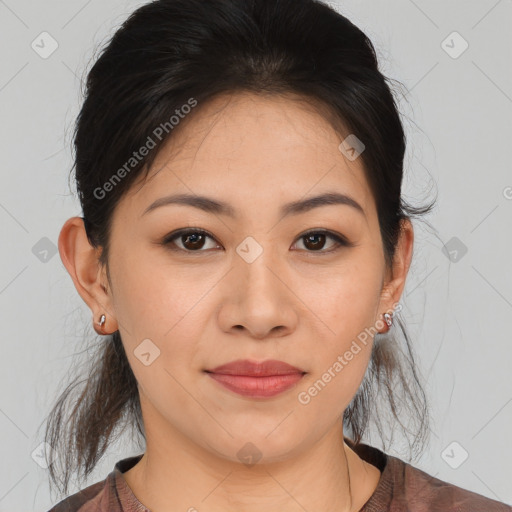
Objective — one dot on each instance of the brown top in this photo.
(401, 488)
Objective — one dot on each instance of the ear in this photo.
(395, 278)
(81, 260)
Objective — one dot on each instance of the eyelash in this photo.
(339, 239)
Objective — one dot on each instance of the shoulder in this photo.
(406, 488)
(419, 491)
(91, 499)
(104, 496)
(426, 493)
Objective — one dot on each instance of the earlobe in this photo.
(81, 261)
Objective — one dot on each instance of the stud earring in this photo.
(101, 324)
(388, 318)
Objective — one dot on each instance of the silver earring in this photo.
(389, 319)
(102, 320)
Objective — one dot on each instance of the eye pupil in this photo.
(316, 236)
(194, 237)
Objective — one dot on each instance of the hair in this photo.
(168, 52)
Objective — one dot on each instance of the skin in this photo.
(293, 303)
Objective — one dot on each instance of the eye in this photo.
(315, 240)
(194, 240)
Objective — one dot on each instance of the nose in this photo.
(258, 299)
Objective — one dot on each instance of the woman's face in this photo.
(255, 287)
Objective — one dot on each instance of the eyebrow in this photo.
(215, 206)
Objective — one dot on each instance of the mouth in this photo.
(246, 367)
(257, 379)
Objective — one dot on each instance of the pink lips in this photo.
(257, 379)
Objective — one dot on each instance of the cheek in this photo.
(159, 316)
(345, 300)
(154, 298)
(338, 368)
(344, 309)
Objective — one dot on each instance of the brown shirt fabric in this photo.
(401, 488)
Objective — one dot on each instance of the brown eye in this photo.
(315, 241)
(195, 240)
(191, 240)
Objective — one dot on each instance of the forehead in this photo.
(247, 147)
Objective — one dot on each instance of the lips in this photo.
(255, 379)
(246, 367)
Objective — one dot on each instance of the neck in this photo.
(176, 473)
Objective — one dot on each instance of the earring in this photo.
(388, 318)
(101, 323)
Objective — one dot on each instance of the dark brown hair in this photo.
(164, 54)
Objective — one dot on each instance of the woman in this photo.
(243, 249)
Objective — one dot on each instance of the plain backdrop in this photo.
(454, 58)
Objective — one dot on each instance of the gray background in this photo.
(458, 118)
